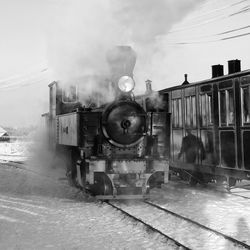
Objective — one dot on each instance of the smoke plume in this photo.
(80, 33)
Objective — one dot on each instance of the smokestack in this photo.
(121, 60)
(234, 66)
(217, 70)
(186, 81)
(148, 86)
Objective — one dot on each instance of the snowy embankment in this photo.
(17, 150)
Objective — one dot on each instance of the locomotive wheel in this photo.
(102, 185)
(184, 175)
(198, 177)
(231, 182)
(71, 168)
(190, 177)
(192, 181)
(156, 180)
(219, 180)
(71, 180)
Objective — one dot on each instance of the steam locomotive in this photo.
(115, 149)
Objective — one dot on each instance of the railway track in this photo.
(150, 227)
(230, 193)
(223, 189)
(226, 190)
(183, 232)
(21, 165)
(180, 231)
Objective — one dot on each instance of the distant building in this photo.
(4, 136)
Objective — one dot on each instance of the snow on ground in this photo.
(37, 212)
(16, 150)
(221, 211)
(35, 154)
(44, 213)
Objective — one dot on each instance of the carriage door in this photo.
(227, 124)
(245, 121)
(177, 124)
(206, 123)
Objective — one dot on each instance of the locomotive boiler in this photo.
(116, 149)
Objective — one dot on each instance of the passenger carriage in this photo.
(217, 112)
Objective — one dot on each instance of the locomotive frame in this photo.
(217, 113)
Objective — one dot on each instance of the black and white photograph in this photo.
(124, 124)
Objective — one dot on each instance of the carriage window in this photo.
(223, 107)
(177, 113)
(193, 111)
(69, 94)
(180, 112)
(206, 109)
(230, 106)
(190, 111)
(227, 113)
(209, 108)
(246, 105)
(203, 113)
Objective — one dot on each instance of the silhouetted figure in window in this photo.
(192, 146)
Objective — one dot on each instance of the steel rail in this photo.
(227, 191)
(147, 225)
(198, 224)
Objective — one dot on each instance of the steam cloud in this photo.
(80, 33)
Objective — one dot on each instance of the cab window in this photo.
(69, 94)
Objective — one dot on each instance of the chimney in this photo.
(186, 81)
(121, 61)
(148, 86)
(217, 70)
(234, 66)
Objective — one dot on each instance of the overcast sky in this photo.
(50, 40)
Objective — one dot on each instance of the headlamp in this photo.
(126, 84)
